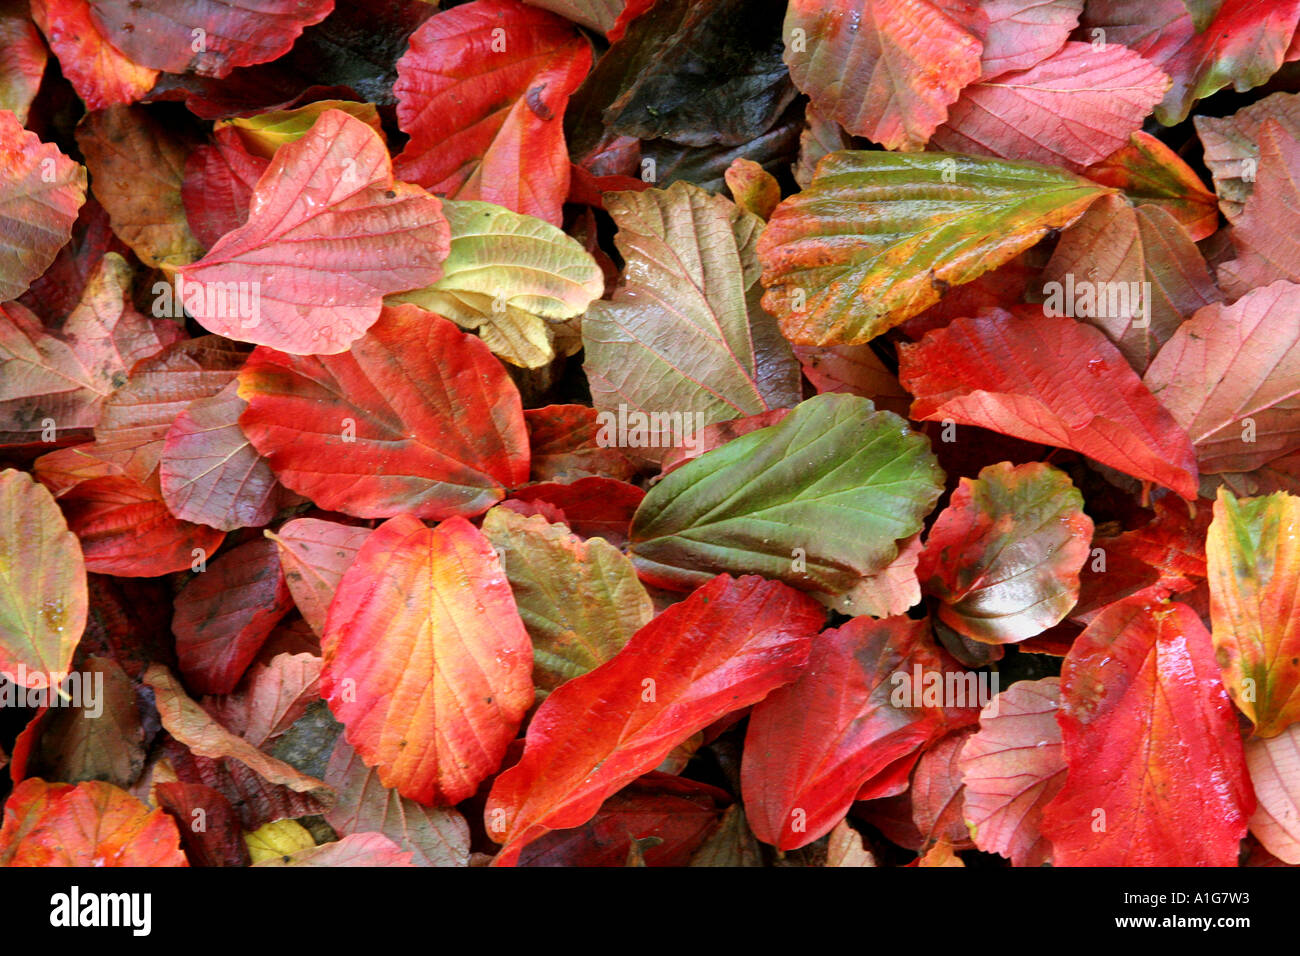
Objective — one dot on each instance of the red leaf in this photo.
(91, 824)
(885, 69)
(482, 92)
(427, 663)
(723, 648)
(678, 813)
(1072, 109)
(226, 612)
(1051, 380)
(565, 446)
(1150, 172)
(1004, 556)
(1012, 768)
(160, 33)
(1244, 44)
(135, 420)
(126, 530)
(220, 841)
(100, 74)
(329, 234)
(416, 418)
(218, 187)
(314, 555)
(210, 473)
(591, 507)
(813, 745)
(1264, 233)
(40, 193)
(938, 793)
(1024, 32)
(1156, 773)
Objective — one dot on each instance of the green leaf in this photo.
(878, 237)
(685, 333)
(504, 275)
(580, 600)
(817, 501)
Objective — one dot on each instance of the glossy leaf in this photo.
(288, 278)
(1243, 45)
(721, 649)
(688, 313)
(1013, 767)
(40, 192)
(878, 237)
(1004, 556)
(485, 109)
(1156, 774)
(1253, 556)
(218, 185)
(427, 663)
(1149, 172)
(1051, 380)
(417, 417)
(506, 270)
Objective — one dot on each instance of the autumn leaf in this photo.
(878, 237)
(1267, 247)
(579, 600)
(40, 192)
(1076, 391)
(1230, 376)
(884, 69)
(1150, 173)
(91, 824)
(1253, 560)
(498, 137)
(163, 35)
(721, 649)
(100, 73)
(417, 417)
(813, 744)
(509, 276)
(688, 312)
(44, 603)
(1004, 556)
(22, 62)
(1232, 146)
(314, 554)
(336, 180)
(1117, 246)
(1156, 775)
(427, 663)
(1072, 109)
(1273, 763)
(1012, 768)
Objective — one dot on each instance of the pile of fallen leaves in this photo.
(711, 432)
